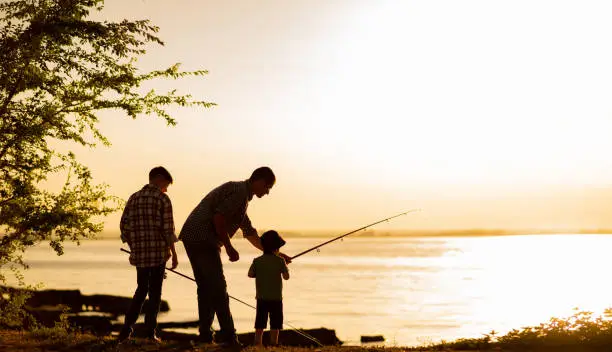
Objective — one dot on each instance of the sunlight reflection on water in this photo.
(410, 289)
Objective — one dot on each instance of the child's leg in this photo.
(142, 289)
(274, 337)
(259, 337)
(276, 321)
(156, 280)
(261, 320)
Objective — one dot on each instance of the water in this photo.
(412, 290)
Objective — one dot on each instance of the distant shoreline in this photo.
(422, 233)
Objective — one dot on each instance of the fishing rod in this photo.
(300, 332)
(352, 232)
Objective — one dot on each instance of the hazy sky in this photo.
(483, 113)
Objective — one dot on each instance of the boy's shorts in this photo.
(275, 309)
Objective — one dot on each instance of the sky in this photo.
(485, 114)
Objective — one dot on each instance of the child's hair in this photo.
(271, 241)
(160, 171)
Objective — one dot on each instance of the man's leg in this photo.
(220, 297)
(196, 254)
(155, 290)
(142, 279)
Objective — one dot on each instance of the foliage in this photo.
(58, 71)
(12, 306)
(580, 330)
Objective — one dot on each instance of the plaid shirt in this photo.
(231, 200)
(148, 227)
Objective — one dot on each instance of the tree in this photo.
(58, 70)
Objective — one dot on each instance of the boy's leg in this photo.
(261, 320)
(196, 254)
(155, 290)
(276, 320)
(258, 337)
(142, 279)
(274, 337)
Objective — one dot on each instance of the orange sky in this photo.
(485, 114)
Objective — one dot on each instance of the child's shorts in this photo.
(274, 309)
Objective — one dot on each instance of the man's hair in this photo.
(263, 173)
(160, 171)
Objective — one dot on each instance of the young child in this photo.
(267, 270)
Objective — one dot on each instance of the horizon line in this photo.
(467, 232)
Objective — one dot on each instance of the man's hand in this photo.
(285, 257)
(232, 253)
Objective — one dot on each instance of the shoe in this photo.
(206, 336)
(205, 340)
(154, 338)
(231, 343)
(124, 335)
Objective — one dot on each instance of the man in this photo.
(147, 226)
(209, 227)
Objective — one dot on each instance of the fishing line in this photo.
(300, 332)
(352, 232)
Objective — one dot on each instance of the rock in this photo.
(179, 325)
(372, 338)
(290, 337)
(96, 324)
(48, 306)
(77, 302)
(46, 316)
(326, 337)
(99, 324)
(68, 298)
(162, 326)
(114, 304)
(91, 313)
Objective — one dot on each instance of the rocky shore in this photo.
(99, 315)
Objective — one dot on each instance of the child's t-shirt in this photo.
(267, 270)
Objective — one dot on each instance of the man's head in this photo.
(261, 181)
(160, 177)
(271, 241)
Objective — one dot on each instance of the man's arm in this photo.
(221, 230)
(250, 233)
(229, 205)
(223, 236)
(285, 271)
(254, 240)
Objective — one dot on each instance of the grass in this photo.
(580, 332)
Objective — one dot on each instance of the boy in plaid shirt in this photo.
(147, 226)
